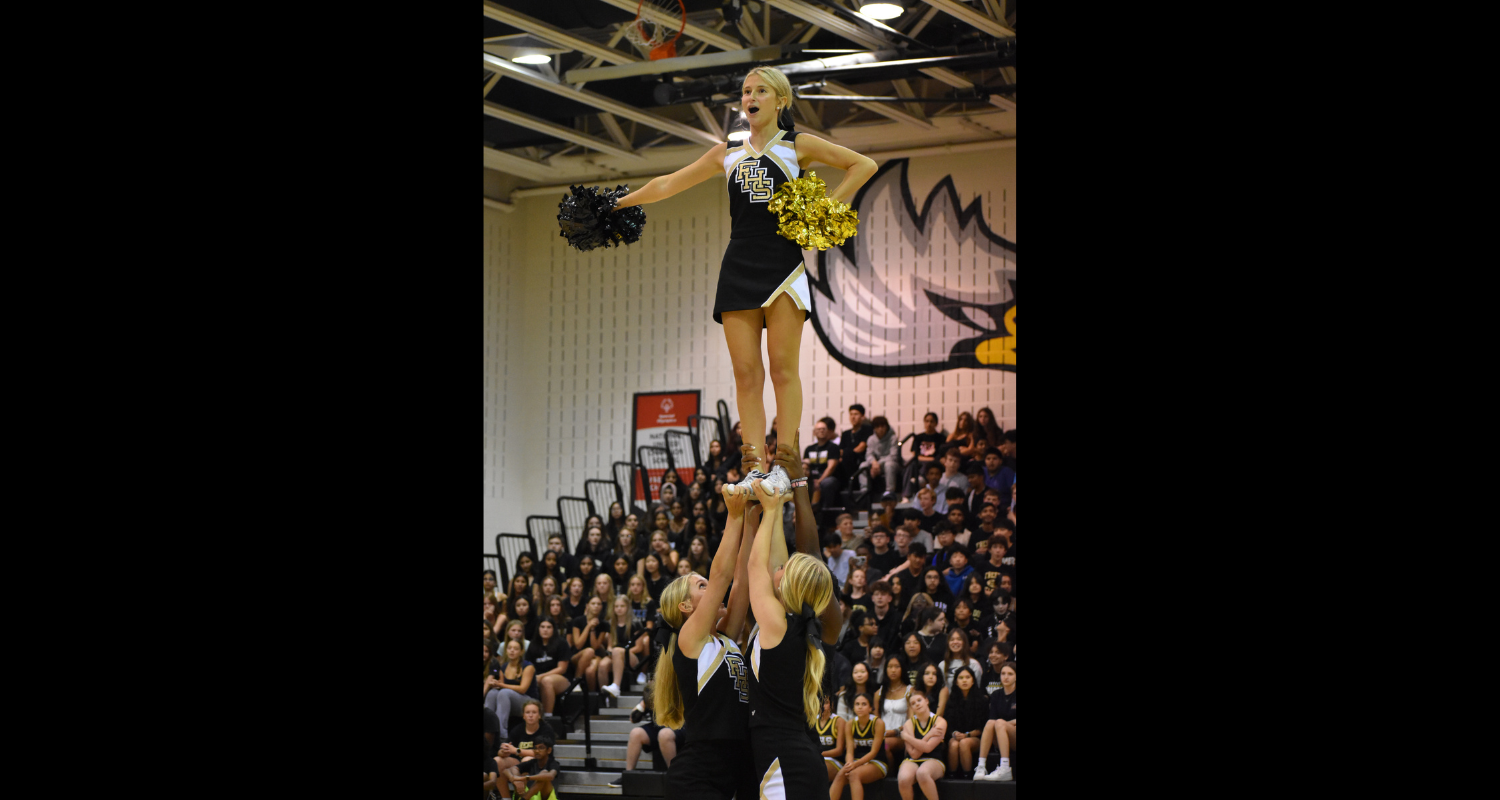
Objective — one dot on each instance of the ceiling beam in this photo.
(550, 128)
(613, 126)
(520, 167)
(679, 64)
(883, 109)
(981, 21)
(553, 34)
(854, 33)
(707, 118)
(499, 206)
(599, 101)
(698, 32)
(903, 89)
(490, 84)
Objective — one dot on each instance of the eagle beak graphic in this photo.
(1001, 349)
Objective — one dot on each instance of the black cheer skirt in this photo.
(758, 268)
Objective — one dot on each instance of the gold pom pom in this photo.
(809, 217)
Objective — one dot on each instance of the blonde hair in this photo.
(645, 589)
(668, 703)
(783, 88)
(806, 580)
(918, 601)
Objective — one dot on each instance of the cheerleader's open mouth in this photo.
(751, 111)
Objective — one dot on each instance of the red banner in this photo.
(656, 413)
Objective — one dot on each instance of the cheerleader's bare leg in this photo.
(784, 321)
(742, 335)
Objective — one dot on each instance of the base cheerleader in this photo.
(702, 688)
(762, 282)
(786, 660)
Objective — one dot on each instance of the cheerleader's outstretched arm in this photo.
(739, 591)
(662, 187)
(699, 627)
(769, 612)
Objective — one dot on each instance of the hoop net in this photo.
(651, 35)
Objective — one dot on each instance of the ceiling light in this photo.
(532, 59)
(881, 10)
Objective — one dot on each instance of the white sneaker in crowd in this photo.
(1000, 774)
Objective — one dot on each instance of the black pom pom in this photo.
(588, 218)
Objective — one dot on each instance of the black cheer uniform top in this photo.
(715, 697)
(776, 679)
(919, 730)
(759, 265)
(827, 734)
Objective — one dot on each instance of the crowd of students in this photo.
(924, 669)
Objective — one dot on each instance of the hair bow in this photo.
(664, 631)
(814, 625)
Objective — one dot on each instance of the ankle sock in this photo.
(1004, 762)
(981, 765)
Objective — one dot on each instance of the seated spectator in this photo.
(935, 587)
(1001, 727)
(959, 655)
(924, 517)
(964, 619)
(588, 635)
(716, 461)
(661, 546)
(943, 546)
(913, 655)
(861, 681)
(844, 526)
(852, 444)
(953, 477)
(549, 653)
(491, 746)
(516, 683)
(999, 624)
(526, 565)
(533, 778)
(916, 558)
(574, 600)
(867, 630)
(968, 711)
(649, 736)
(996, 475)
(887, 618)
(856, 594)
(697, 555)
(931, 629)
(932, 477)
(588, 568)
(975, 593)
(934, 684)
(958, 521)
(615, 521)
(924, 451)
(893, 708)
(995, 566)
(491, 590)
(654, 570)
(522, 743)
(997, 654)
(884, 457)
(882, 556)
(820, 460)
(837, 557)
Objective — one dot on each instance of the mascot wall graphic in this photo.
(917, 292)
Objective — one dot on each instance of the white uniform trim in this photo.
(795, 285)
(773, 785)
(711, 656)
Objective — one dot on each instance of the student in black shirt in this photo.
(549, 653)
(534, 779)
(968, 711)
(887, 618)
(924, 451)
(964, 619)
(911, 576)
(523, 735)
(858, 648)
(852, 443)
(882, 556)
(821, 460)
(935, 587)
(1001, 728)
(997, 654)
(913, 657)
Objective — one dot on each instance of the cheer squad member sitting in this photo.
(829, 732)
(701, 689)
(786, 652)
(861, 765)
(925, 736)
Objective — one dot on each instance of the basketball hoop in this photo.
(656, 40)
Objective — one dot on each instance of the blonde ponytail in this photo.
(807, 580)
(667, 702)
